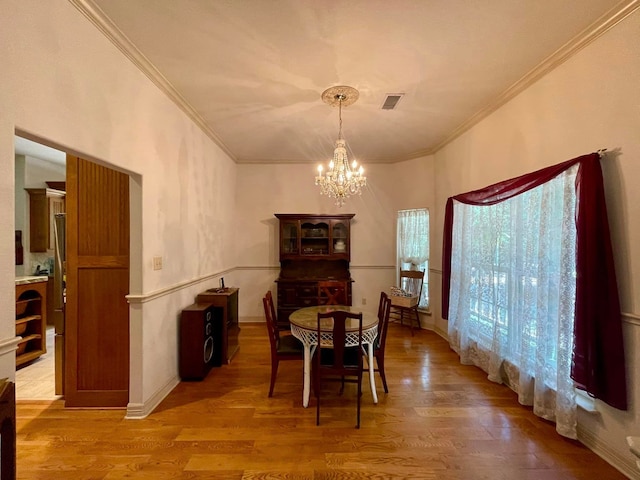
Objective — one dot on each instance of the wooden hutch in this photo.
(313, 247)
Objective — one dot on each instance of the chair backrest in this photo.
(411, 281)
(332, 292)
(384, 310)
(339, 339)
(272, 323)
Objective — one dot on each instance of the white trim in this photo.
(632, 318)
(603, 450)
(372, 267)
(146, 297)
(585, 402)
(8, 346)
(138, 298)
(122, 42)
(138, 411)
(599, 27)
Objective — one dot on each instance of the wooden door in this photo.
(96, 312)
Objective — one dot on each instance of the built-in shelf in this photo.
(31, 301)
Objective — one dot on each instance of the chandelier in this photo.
(341, 179)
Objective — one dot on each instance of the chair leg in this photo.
(318, 405)
(359, 396)
(274, 372)
(380, 362)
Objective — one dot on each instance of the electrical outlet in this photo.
(157, 263)
(364, 301)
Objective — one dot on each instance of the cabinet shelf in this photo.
(27, 357)
(27, 338)
(28, 318)
(30, 321)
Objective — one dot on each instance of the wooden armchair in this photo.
(343, 363)
(384, 310)
(410, 281)
(283, 347)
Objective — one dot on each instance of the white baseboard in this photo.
(138, 411)
(625, 465)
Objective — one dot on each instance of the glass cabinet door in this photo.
(314, 238)
(289, 238)
(340, 238)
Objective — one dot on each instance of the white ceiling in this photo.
(251, 72)
(23, 146)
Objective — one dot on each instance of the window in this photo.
(513, 265)
(520, 264)
(413, 246)
(530, 290)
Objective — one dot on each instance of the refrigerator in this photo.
(59, 297)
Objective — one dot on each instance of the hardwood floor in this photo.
(440, 420)
(36, 380)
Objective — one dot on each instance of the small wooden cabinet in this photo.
(44, 203)
(312, 247)
(31, 321)
(226, 335)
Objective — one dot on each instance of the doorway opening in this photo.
(37, 166)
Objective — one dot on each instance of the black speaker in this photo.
(197, 344)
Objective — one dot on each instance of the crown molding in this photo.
(122, 42)
(588, 35)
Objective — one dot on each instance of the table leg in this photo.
(306, 390)
(372, 378)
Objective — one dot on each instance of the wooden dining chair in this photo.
(410, 281)
(332, 292)
(384, 310)
(283, 346)
(338, 365)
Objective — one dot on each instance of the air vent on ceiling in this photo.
(391, 101)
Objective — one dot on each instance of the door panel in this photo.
(97, 312)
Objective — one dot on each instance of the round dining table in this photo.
(304, 326)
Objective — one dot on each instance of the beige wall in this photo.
(264, 190)
(588, 103)
(63, 82)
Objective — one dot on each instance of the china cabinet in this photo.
(312, 247)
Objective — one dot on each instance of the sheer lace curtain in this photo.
(512, 313)
(413, 228)
(413, 244)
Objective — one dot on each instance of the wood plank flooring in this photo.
(440, 420)
(36, 380)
